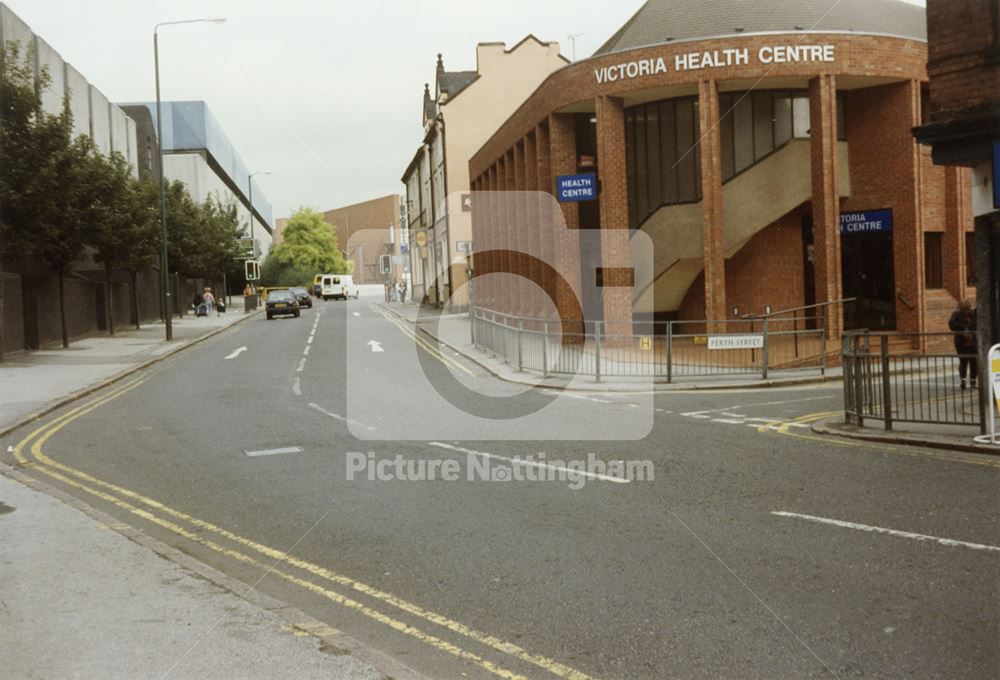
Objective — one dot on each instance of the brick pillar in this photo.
(826, 198)
(565, 242)
(518, 243)
(479, 228)
(488, 259)
(712, 227)
(546, 184)
(617, 292)
(506, 234)
(532, 244)
(957, 214)
(908, 231)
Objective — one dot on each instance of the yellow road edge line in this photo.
(550, 665)
(427, 346)
(328, 593)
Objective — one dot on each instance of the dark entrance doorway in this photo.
(868, 275)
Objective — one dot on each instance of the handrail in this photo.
(800, 309)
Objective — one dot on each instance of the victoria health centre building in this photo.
(765, 147)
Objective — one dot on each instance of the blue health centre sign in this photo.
(576, 188)
(867, 222)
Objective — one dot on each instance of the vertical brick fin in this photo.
(532, 244)
(713, 233)
(614, 213)
(565, 244)
(545, 210)
(826, 197)
(957, 217)
(519, 243)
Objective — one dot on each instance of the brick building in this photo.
(963, 39)
(766, 148)
(365, 232)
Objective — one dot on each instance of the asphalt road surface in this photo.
(757, 551)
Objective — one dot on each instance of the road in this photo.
(758, 551)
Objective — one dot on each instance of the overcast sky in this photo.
(324, 94)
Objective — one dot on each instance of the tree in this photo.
(125, 225)
(309, 246)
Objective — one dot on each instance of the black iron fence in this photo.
(661, 350)
(908, 378)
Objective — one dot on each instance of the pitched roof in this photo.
(661, 21)
(453, 82)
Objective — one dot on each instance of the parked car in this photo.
(339, 287)
(281, 303)
(302, 295)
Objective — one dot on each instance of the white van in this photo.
(338, 287)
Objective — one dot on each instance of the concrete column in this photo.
(957, 215)
(712, 228)
(565, 244)
(826, 198)
(618, 288)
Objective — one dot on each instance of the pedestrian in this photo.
(209, 300)
(246, 291)
(963, 325)
(196, 300)
(402, 291)
(392, 291)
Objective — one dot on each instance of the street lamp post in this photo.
(164, 264)
(253, 241)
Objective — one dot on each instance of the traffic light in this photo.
(385, 264)
(252, 270)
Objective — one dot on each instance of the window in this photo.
(686, 138)
(726, 136)
(743, 132)
(970, 259)
(782, 118)
(933, 273)
(800, 115)
(763, 124)
(668, 145)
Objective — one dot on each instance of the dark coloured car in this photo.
(302, 295)
(281, 303)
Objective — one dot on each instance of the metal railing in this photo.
(908, 378)
(660, 350)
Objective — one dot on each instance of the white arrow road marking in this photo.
(890, 532)
(532, 463)
(376, 346)
(238, 352)
(356, 313)
(10, 449)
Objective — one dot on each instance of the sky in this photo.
(324, 94)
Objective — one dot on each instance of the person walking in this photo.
(209, 300)
(963, 324)
(402, 291)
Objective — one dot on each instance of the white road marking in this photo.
(356, 313)
(727, 421)
(238, 352)
(729, 409)
(951, 543)
(302, 366)
(376, 346)
(339, 417)
(532, 463)
(310, 340)
(305, 352)
(297, 387)
(274, 452)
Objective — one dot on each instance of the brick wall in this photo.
(964, 55)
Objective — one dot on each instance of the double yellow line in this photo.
(425, 345)
(174, 520)
(784, 428)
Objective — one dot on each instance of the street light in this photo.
(253, 243)
(164, 274)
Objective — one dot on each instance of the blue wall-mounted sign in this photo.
(576, 188)
(996, 171)
(867, 222)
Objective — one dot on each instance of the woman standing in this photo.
(963, 324)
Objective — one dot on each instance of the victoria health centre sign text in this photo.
(867, 222)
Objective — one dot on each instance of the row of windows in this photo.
(664, 156)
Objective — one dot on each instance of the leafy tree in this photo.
(125, 225)
(308, 247)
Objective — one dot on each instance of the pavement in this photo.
(84, 595)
